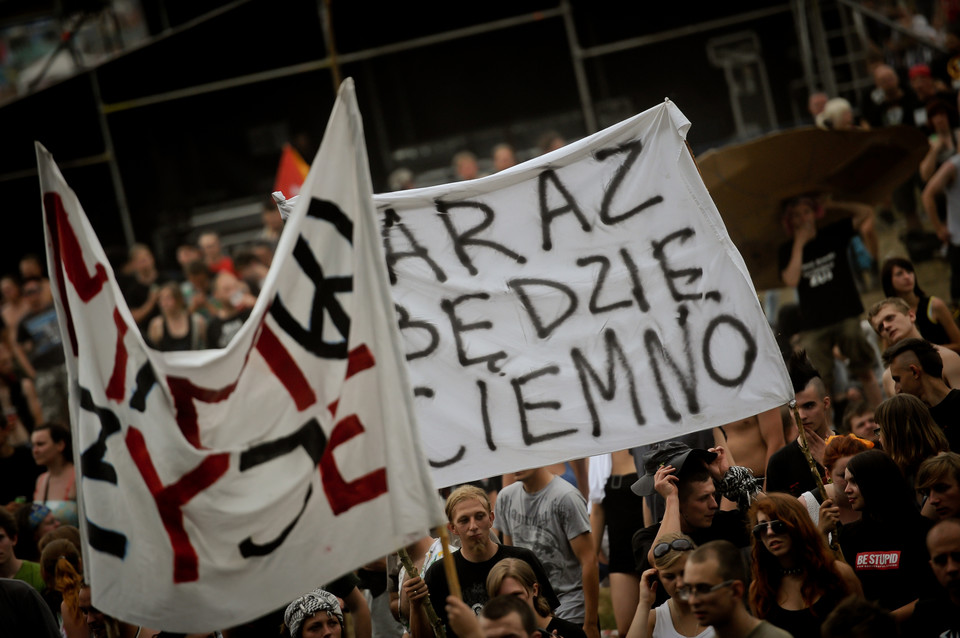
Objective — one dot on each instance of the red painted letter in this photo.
(170, 499)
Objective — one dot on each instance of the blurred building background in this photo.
(168, 116)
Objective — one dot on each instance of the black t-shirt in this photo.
(879, 111)
(221, 331)
(18, 475)
(23, 612)
(827, 291)
(564, 629)
(933, 617)
(890, 561)
(946, 414)
(136, 294)
(788, 471)
(729, 525)
(473, 581)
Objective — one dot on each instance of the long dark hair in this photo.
(888, 498)
(886, 276)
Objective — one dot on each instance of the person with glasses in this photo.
(796, 581)
(886, 546)
(939, 614)
(672, 619)
(713, 585)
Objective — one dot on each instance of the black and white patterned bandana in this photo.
(740, 486)
(307, 605)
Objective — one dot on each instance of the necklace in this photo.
(793, 571)
(678, 619)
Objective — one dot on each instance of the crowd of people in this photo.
(838, 518)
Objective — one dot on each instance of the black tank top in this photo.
(170, 343)
(932, 332)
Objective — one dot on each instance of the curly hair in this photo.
(808, 550)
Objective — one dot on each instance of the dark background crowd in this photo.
(841, 518)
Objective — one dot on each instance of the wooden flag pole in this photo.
(412, 572)
(453, 583)
(802, 437)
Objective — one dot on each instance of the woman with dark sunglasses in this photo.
(796, 580)
(672, 619)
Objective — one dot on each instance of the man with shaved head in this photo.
(893, 320)
(916, 368)
(788, 470)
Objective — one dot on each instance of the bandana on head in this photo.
(38, 512)
(307, 605)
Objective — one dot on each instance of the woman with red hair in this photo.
(796, 580)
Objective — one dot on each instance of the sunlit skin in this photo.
(891, 324)
(472, 523)
(813, 410)
(777, 544)
(321, 625)
(700, 505)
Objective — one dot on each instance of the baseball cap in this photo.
(672, 453)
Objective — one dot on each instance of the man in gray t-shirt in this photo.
(548, 516)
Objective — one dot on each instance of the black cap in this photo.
(672, 453)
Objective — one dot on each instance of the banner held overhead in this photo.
(586, 301)
(217, 486)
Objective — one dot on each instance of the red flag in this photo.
(291, 172)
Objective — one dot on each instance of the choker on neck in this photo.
(794, 571)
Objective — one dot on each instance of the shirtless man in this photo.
(894, 321)
(752, 441)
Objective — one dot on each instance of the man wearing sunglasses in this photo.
(714, 582)
(940, 616)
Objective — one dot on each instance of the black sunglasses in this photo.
(777, 527)
(941, 559)
(681, 545)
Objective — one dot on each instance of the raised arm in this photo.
(583, 549)
(938, 184)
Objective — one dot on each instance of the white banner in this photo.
(587, 301)
(219, 485)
